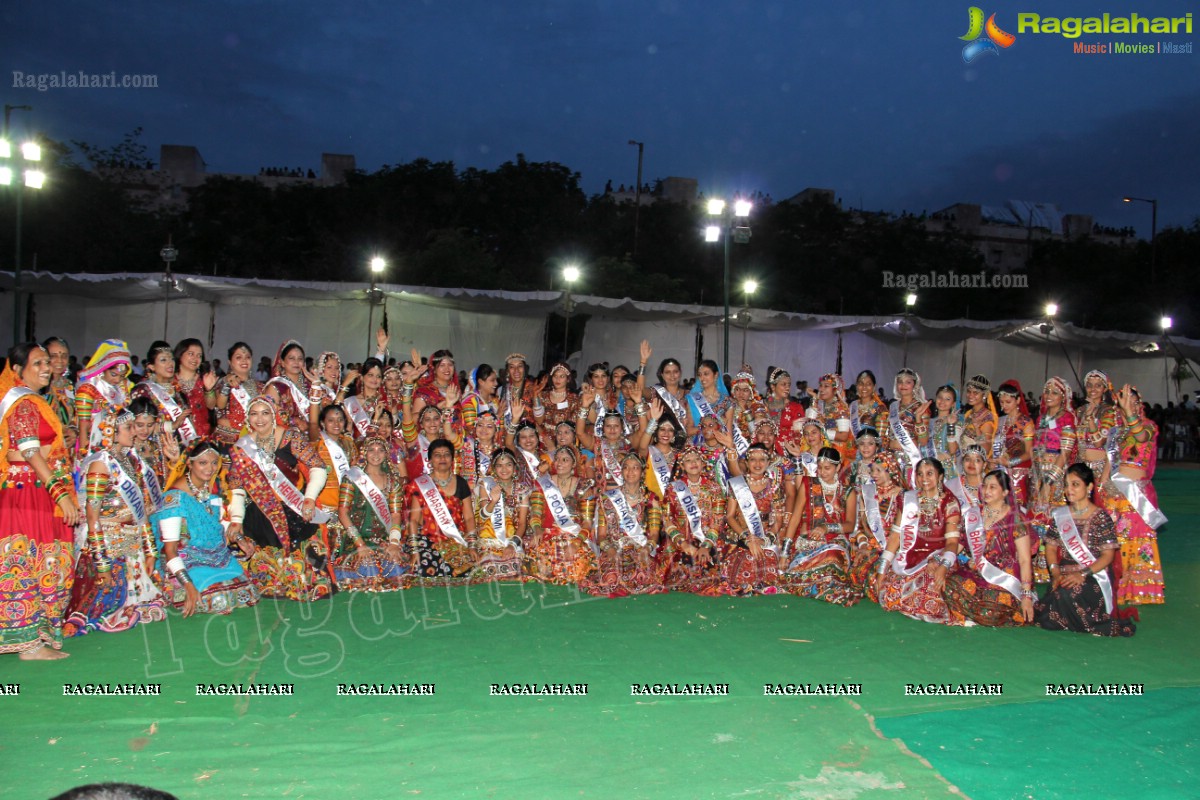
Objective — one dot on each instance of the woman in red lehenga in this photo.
(234, 393)
(37, 511)
(878, 503)
(199, 390)
(694, 516)
(559, 549)
(289, 388)
(1012, 449)
(628, 529)
(748, 559)
(1141, 577)
(921, 549)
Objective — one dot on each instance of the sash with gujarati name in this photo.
(909, 519)
(855, 423)
(186, 430)
(906, 441)
(531, 461)
(558, 506)
(611, 465)
(499, 516)
(745, 501)
(423, 450)
(673, 403)
(153, 489)
(358, 415)
(127, 488)
(374, 495)
(437, 506)
(874, 517)
(285, 490)
(1073, 542)
(337, 456)
(661, 472)
(298, 397)
(601, 410)
(977, 541)
(1127, 486)
(629, 523)
(691, 509)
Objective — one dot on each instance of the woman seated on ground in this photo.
(694, 515)
(627, 534)
(921, 549)
(878, 503)
(369, 555)
(994, 587)
(198, 571)
(750, 550)
(113, 588)
(818, 561)
(1079, 553)
(441, 520)
(502, 511)
(266, 466)
(561, 519)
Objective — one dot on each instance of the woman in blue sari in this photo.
(199, 573)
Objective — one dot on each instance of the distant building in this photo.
(182, 168)
(671, 190)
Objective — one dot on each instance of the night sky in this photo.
(870, 99)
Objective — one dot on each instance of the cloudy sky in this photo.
(870, 99)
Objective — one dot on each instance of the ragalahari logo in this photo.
(993, 38)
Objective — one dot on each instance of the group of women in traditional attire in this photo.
(205, 493)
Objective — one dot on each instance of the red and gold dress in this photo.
(677, 571)
(819, 565)
(562, 556)
(625, 567)
(914, 595)
(35, 545)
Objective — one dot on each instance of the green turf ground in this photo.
(462, 742)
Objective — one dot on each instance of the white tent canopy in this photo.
(485, 326)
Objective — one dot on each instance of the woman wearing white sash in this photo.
(197, 569)
(269, 468)
(560, 516)
(670, 376)
(817, 562)
(694, 516)
(103, 384)
(329, 386)
(289, 387)
(908, 418)
(612, 433)
(523, 439)
(1006, 547)
(663, 435)
(441, 520)
(159, 387)
(1076, 600)
(945, 430)
(973, 463)
(364, 407)
(156, 448)
(804, 450)
(198, 389)
(867, 447)
(418, 430)
(1012, 449)
(921, 549)
(338, 453)
(766, 433)
(502, 519)
(748, 558)
(113, 589)
(878, 504)
(234, 393)
(369, 555)
(708, 396)
(475, 458)
(747, 406)
(1135, 451)
(628, 527)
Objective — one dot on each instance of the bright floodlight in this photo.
(378, 265)
(1127, 199)
(910, 300)
(712, 233)
(1167, 322)
(750, 286)
(6, 176)
(570, 273)
(31, 151)
(5, 149)
(742, 208)
(1051, 309)
(35, 178)
(716, 207)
